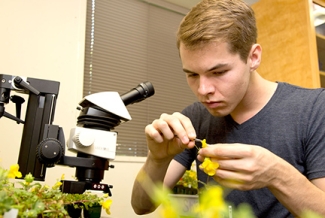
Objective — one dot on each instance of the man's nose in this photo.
(205, 86)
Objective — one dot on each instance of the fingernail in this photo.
(192, 135)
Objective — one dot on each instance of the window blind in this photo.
(129, 42)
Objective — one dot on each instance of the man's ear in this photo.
(255, 56)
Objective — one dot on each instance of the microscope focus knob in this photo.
(83, 139)
(50, 151)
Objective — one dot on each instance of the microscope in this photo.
(93, 139)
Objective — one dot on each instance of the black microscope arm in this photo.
(41, 139)
(42, 96)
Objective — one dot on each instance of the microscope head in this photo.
(100, 114)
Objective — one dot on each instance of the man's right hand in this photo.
(169, 135)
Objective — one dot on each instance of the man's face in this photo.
(218, 78)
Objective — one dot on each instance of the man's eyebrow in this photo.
(218, 66)
(187, 71)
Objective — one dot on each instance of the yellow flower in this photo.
(33, 189)
(204, 143)
(169, 207)
(209, 167)
(62, 177)
(189, 179)
(14, 171)
(107, 205)
(192, 175)
(169, 211)
(57, 185)
(212, 203)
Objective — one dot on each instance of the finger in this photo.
(229, 183)
(181, 126)
(238, 165)
(164, 128)
(153, 134)
(232, 179)
(200, 157)
(227, 151)
(159, 131)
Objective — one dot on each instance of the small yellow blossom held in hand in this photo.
(204, 143)
(107, 205)
(209, 167)
(14, 171)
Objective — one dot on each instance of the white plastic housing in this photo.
(115, 104)
(94, 142)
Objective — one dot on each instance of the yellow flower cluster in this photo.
(189, 179)
(208, 166)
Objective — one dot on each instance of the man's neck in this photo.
(257, 96)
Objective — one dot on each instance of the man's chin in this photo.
(218, 113)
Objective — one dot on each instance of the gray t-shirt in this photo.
(291, 125)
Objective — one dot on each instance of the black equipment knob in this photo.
(18, 101)
(50, 151)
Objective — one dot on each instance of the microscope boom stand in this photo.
(42, 143)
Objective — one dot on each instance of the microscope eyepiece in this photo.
(142, 91)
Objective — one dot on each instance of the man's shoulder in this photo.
(295, 88)
(289, 91)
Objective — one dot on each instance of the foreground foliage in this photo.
(32, 199)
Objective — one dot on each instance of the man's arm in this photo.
(151, 173)
(163, 145)
(174, 173)
(297, 193)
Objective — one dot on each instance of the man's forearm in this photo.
(297, 193)
(152, 173)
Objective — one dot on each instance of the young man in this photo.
(267, 137)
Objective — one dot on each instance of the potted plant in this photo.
(27, 198)
(185, 192)
(188, 184)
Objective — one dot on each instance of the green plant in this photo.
(33, 199)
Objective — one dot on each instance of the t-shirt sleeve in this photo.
(314, 145)
(185, 158)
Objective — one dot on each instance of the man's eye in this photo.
(191, 75)
(219, 72)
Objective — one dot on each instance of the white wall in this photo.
(45, 40)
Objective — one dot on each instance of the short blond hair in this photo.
(231, 21)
